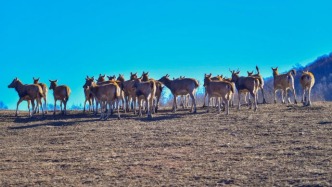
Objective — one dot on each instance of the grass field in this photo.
(278, 145)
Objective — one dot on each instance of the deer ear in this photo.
(50, 80)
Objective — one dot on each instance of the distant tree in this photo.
(76, 107)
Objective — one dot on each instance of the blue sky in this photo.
(67, 40)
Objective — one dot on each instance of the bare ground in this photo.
(279, 145)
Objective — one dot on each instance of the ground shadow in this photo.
(53, 123)
(324, 122)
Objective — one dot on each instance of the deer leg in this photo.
(118, 109)
(282, 96)
(239, 101)
(54, 106)
(295, 101)
(309, 96)
(218, 101)
(64, 107)
(249, 99)
(264, 100)
(140, 107)
(275, 96)
(45, 103)
(41, 105)
(208, 106)
(149, 105)
(84, 105)
(174, 103)
(193, 101)
(255, 101)
(227, 106)
(303, 97)
(287, 96)
(109, 111)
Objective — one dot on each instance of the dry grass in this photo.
(277, 146)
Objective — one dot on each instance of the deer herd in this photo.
(116, 92)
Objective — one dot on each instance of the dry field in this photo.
(279, 145)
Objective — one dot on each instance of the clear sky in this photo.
(67, 40)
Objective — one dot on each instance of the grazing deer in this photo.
(283, 82)
(307, 82)
(27, 92)
(61, 93)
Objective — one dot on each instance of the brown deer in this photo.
(88, 98)
(283, 82)
(45, 90)
(261, 81)
(181, 87)
(145, 91)
(159, 89)
(245, 84)
(218, 89)
(105, 94)
(29, 93)
(61, 93)
(307, 82)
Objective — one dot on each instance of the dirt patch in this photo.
(278, 145)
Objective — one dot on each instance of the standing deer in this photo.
(307, 82)
(61, 93)
(27, 92)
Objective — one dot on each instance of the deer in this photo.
(45, 90)
(29, 93)
(181, 87)
(61, 93)
(245, 84)
(307, 82)
(284, 82)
